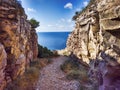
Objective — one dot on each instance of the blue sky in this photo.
(53, 15)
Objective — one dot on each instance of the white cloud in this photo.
(31, 10)
(56, 24)
(69, 20)
(63, 25)
(49, 25)
(55, 28)
(78, 9)
(62, 19)
(85, 3)
(68, 5)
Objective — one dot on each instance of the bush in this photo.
(78, 75)
(26, 81)
(69, 65)
(74, 70)
(30, 77)
(45, 52)
(73, 74)
(40, 63)
(34, 23)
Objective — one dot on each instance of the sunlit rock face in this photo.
(96, 39)
(18, 38)
(3, 63)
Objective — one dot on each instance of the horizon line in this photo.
(54, 31)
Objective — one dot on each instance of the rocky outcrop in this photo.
(18, 39)
(96, 40)
(3, 63)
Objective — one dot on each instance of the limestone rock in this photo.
(96, 30)
(3, 63)
(18, 38)
(96, 38)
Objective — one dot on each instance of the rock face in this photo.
(96, 40)
(18, 41)
(3, 63)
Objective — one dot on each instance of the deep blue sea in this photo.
(53, 40)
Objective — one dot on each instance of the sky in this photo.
(53, 15)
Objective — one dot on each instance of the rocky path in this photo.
(52, 78)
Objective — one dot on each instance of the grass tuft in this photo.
(30, 77)
(74, 70)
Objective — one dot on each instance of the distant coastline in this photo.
(53, 40)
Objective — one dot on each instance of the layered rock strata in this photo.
(3, 63)
(18, 41)
(96, 40)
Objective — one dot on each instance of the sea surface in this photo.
(53, 40)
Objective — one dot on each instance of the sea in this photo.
(53, 40)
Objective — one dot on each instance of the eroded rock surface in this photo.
(96, 38)
(18, 38)
(3, 63)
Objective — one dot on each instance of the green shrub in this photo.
(74, 70)
(34, 23)
(45, 52)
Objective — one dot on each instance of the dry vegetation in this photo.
(74, 70)
(30, 77)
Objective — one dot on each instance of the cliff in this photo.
(96, 41)
(18, 41)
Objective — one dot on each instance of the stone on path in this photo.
(52, 78)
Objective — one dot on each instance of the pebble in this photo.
(53, 78)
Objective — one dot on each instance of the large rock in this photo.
(18, 38)
(3, 63)
(107, 74)
(96, 37)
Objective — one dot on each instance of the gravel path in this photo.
(52, 78)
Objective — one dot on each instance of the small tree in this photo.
(34, 23)
(19, 1)
(75, 16)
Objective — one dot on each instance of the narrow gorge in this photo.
(94, 42)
